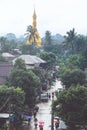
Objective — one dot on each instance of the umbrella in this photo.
(28, 117)
(41, 122)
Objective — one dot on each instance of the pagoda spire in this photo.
(34, 20)
(33, 32)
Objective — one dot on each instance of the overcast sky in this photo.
(57, 16)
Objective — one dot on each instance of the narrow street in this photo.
(44, 113)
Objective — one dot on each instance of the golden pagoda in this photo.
(33, 32)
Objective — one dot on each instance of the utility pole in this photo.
(52, 114)
(9, 111)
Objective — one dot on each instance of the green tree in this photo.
(75, 77)
(80, 44)
(33, 36)
(54, 48)
(25, 79)
(2, 59)
(7, 45)
(73, 61)
(83, 61)
(29, 49)
(47, 45)
(72, 107)
(49, 57)
(48, 39)
(11, 96)
(44, 76)
(70, 40)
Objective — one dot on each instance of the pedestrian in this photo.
(52, 95)
(49, 95)
(57, 124)
(29, 120)
(35, 112)
(41, 126)
(35, 122)
(36, 108)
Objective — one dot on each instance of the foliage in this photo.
(83, 61)
(33, 36)
(7, 45)
(48, 39)
(25, 79)
(70, 40)
(49, 45)
(49, 57)
(54, 48)
(44, 75)
(80, 44)
(13, 96)
(41, 73)
(29, 49)
(72, 106)
(75, 77)
(19, 64)
(73, 61)
(2, 59)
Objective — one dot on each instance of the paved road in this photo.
(44, 113)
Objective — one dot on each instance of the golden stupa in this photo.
(33, 32)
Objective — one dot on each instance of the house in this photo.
(5, 69)
(9, 57)
(31, 61)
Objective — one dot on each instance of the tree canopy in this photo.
(49, 57)
(13, 96)
(25, 79)
(75, 77)
(72, 106)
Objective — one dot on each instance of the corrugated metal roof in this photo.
(6, 54)
(30, 59)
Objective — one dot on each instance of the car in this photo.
(44, 97)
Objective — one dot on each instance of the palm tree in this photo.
(48, 37)
(33, 36)
(70, 39)
(30, 34)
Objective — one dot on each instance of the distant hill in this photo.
(10, 36)
(58, 38)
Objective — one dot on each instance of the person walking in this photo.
(35, 122)
(41, 124)
(35, 112)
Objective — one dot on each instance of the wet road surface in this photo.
(44, 113)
